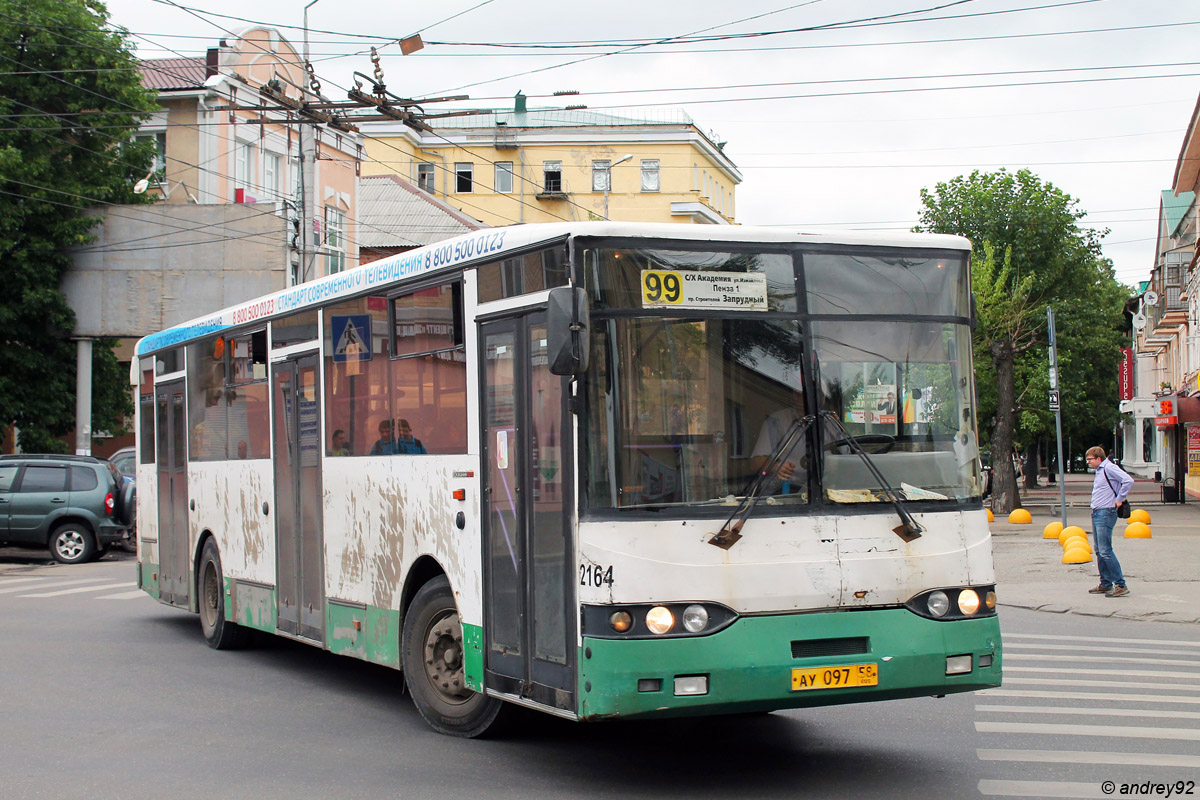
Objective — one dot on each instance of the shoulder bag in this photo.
(1123, 510)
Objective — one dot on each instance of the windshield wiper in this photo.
(732, 531)
(909, 528)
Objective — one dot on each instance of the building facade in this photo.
(1162, 434)
(217, 144)
(551, 165)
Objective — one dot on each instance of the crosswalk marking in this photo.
(1105, 696)
(53, 584)
(1118, 684)
(1013, 647)
(1089, 712)
(124, 595)
(1167, 662)
(80, 589)
(1113, 639)
(10, 581)
(1066, 729)
(1090, 757)
(1041, 789)
(1085, 671)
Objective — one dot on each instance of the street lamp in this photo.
(608, 183)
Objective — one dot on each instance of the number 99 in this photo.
(663, 286)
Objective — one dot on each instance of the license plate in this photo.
(835, 677)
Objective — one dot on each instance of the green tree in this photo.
(1047, 259)
(71, 98)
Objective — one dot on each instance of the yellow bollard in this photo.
(991, 516)
(1076, 555)
(1069, 531)
(1052, 530)
(1020, 517)
(1139, 515)
(1137, 530)
(1076, 541)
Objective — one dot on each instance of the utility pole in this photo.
(1056, 407)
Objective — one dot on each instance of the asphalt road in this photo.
(106, 694)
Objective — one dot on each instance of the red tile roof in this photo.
(173, 73)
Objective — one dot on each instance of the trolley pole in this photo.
(1056, 407)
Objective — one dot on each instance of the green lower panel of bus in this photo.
(774, 662)
(148, 578)
(366, 632)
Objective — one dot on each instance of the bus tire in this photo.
(432, 658)
(220, 633)
(72, 543)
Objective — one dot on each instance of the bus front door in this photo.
(299, 546)
(171, 440)
(529, 625)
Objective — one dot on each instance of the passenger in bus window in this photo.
(340, 447)
(243, 449)
(405, 441)
(385, 445)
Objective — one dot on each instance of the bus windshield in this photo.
(689, 393)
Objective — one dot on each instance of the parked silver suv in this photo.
(77, 506)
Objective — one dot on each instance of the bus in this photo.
(599, 469)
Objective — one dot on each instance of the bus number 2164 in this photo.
(595, 575)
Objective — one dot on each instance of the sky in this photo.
(839, 124)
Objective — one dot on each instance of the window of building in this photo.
(552, 176)
(243, 173)
(159, 140)
(650, 175)
(271, 172)
(464, 178)
(335, 240)
(504, 177)
(601, 175)
(425, 178)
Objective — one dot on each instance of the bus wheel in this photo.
(432, 657)
(220, 633)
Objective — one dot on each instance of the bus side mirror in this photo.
(567, 333)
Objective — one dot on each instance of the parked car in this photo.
(77, 506)
(125, 460)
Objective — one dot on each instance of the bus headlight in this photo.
(695, 618)
(989, 600)
(938, 604)
(968, 601)
(621, 621)
(660, 620)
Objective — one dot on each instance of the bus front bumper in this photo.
(749, 665)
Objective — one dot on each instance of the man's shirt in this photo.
(1110, 485)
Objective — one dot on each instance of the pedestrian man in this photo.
(1110, 490)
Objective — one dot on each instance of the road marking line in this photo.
(80, 590)
(1102, 696)
(1115, 640)
(10, 581)
(1010, 648)
(1090, 757)
(1191, 687)
(124, 595)
(1167, 662)
(1042, 789)
(1090, 712)
(1068, 729)
(1085, 671)
(50, 585)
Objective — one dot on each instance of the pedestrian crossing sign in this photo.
(351, 338)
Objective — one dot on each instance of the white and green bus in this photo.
(598, 469)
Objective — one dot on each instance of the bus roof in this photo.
(490, 244)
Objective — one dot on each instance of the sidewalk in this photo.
(1163, 572)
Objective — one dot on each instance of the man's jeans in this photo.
(1103, 520)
